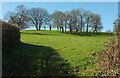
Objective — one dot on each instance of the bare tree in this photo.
(55, 19)
(81, 18)
(58, 19)
(70, 22)
(47, 23)
(76, 19)
(87, 15)
(55, 24)
(18, 17)
(38, 17)
(96, 22)
(74, 16)
(66, 19)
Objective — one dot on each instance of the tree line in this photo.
(74, 20)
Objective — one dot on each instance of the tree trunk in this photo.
(62, 29)
(76, 30)
(81, 29)
(81, 25)
(65, 28)
(70, 29)
(50, 27)
(39, 27)
(96, 28)
(36, 27)
(57, 28)
(65, 25)
(87, 28)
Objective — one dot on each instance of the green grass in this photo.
(52, 53)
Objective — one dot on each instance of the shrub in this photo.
(10, 33)
(108, 59)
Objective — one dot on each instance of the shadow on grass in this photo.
(35, 33)
(91, 34)
(76, 33)
(32, 60)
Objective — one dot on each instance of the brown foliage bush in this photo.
(109, 59)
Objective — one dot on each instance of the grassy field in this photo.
(52, 53)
